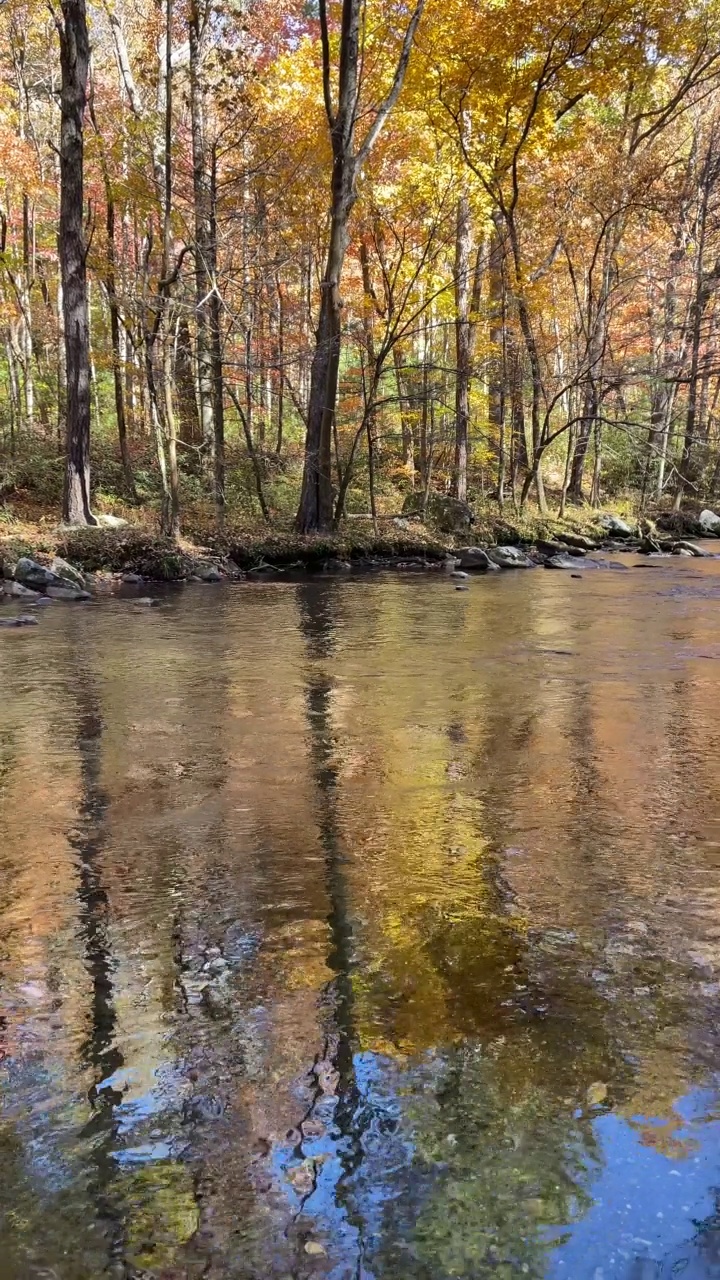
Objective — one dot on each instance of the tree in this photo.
(72, 30)
(316, 500)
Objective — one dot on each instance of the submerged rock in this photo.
(216, 1001)
(66, 592)
(510, 558)
(24, 620)
(459, 573)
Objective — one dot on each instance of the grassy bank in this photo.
(138, 549)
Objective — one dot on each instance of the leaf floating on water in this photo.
(315, 1250)
(597, 1093)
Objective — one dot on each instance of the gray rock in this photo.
(461, 587)
(709, 523)
(510, 558)
(67, 592)
(617, 527)
(32, 574)
(132, 579)
(24, 620)
(209, 573)
(458, 573)
(68, 572)
(561, 561)
(408, 566)
(215, 1001)
(449, 514)
(689, 549)
(564, 561)
(475, 558)
(111, 522)
(149, 601)
(577, 540)
(18, 591)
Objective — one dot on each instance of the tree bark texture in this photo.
(74, 65)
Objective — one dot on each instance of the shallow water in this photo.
(364, 929)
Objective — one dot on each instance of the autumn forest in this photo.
(298, 262)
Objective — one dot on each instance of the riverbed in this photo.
(364, 928)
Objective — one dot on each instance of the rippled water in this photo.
(364, 929)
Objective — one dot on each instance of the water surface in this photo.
(364, 929)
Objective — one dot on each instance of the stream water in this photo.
(364, 929)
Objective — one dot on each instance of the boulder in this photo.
(111, 522)
(209, 573)
(577, 540)
(459, 573)
(67, 592)
(32, 574)
(510, 558)
(132, 579)
(67, 572)
(615, 526)
(475, 558)
(451, 515)
(18, 591)
(689, 549)
(709, 523)
(559, 549)
(24, 620)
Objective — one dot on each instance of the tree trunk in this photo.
(462, 346)
(118, 371)
(74, 64)
(203, 216)
(216, 351)
(316, 499)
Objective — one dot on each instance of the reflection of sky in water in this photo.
(651, 1215)
(647, 1208)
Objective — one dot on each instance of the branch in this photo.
(388, 103)
(325, 42)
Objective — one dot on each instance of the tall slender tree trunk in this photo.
(216, 353)
(463, 245)
(201, 197)
(72, 250)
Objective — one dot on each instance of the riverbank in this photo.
(118, 551)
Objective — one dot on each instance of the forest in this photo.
(291, 262)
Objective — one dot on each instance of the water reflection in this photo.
(363, 929)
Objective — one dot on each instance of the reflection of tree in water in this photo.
(99, 1051)
(317, 613)
(458, 1165)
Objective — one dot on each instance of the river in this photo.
(364, 928)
